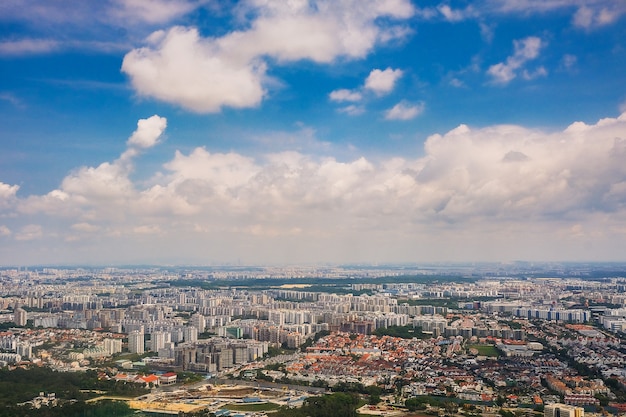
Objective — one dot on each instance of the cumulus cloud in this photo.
(195, 73)
(379, 82)
(205, 74)
(382, 81)
(7, 195)
(526, 49)
(148, 132)
(501, 184)
(4, 231)
(404, 111)
(102, 189)
(7, 191)
(344, 94)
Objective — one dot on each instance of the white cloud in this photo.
(584, 17)
(404, 111)
(452, 15)
(4, 231)
(98, 184)
(90, 193)
(11, 98)
(455, 82)
(102, 26)
(382, 81)
(7, 196)
(589, 14)
(8, 191)
(151, 11)
(147, 229)
(28, 46)
(588, 18)
(206, 74)
(568, 62)
(85, 227)
(345, 95)
(486, 32)
(148, 132)
(29, 232)
(538, 72)
(222, 171)
(352, 110)
(501, 188)
(193, 72)
(526, 49)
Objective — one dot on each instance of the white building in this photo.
(136, 342)
(112, 346)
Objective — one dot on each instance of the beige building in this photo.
(563, 410)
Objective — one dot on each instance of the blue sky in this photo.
(259, 131)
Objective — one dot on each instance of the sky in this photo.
(207, 132)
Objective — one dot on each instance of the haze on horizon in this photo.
(377, 131)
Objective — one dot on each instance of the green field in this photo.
(486, 350)
(252, 407)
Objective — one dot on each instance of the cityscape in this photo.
(492, 339)
(312, 208)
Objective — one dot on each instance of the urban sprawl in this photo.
(255, 341)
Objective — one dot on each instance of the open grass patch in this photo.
(486, 350)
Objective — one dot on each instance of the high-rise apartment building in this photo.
(136, 342)
(112, 346)
(20, 316)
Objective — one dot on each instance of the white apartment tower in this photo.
(112, 346)
(136, 342)
(158, 340)
(198, 321)
(190, 334)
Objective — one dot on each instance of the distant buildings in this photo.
(570, 316)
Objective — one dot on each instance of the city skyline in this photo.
(257, 132)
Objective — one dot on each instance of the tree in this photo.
(416, 403)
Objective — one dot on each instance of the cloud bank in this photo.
(473, 193)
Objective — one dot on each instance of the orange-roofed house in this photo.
(149, 379)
